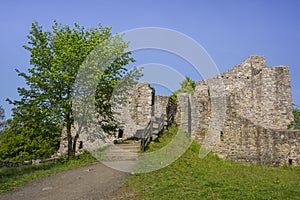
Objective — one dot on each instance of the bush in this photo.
(27, 143)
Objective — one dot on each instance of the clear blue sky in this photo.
(229, 30)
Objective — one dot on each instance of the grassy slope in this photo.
(11, 178)
(212, 178)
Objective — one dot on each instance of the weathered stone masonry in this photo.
(249, 107)
(137, 109)
(258, 109)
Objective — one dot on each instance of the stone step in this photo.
(127, 149)
(124, 145)
(122, 152)
(134, 146)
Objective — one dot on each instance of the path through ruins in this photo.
(92, 182)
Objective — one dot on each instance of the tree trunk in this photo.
(74, 143)
(68, 122)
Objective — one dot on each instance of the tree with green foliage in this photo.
(29, 135)
(46, 104)
(2, 117)
(296, 123)
(187, 86)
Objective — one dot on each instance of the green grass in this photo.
(11, 178)
(212, 178)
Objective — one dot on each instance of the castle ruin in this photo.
(257, 111)
(249, 107)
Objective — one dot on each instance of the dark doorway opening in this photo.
(120, 133)
(80, 145)
(291, 161)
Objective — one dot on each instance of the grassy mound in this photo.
(190, 177)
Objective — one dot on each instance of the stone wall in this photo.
(160, 105)
(136, 112)
(5, 163)
(242, 114)
(184, 114)
(164, 105)
(262, 94)
(133, 113)
(250, 106)
(243, 141)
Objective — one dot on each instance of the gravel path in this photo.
(92, 182)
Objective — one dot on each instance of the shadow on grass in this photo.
(7, 172)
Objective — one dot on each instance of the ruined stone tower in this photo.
(252, 123)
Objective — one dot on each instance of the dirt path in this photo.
(92, 182)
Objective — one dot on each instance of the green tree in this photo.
(46, 104)
(2, 117)
(296, 123)
(29, 135)
(187, 86)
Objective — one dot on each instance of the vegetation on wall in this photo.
(296, 123)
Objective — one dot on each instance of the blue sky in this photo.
(229, 30)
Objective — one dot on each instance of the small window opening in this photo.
(290, 161)
(221, 135)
